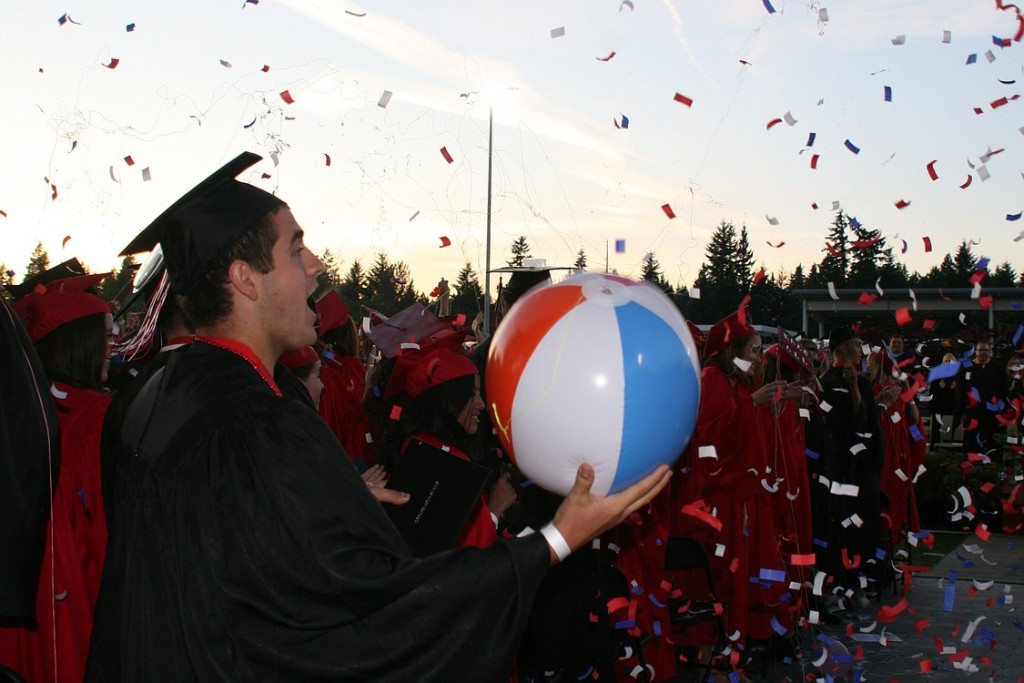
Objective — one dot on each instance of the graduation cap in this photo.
(205, 222)
(840, 336)
(523, 278)
(434, 363)
(331, 311)
(413, 324)
(299, 358)
(724, 332)
(61, 271)
(49, 306)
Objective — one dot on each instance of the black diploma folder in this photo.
(444, 489)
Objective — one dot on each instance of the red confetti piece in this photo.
(128, 160)
(850, 563)
(114, 61)
(814, 164)
(774, 246)
(605, 59)
(979, 110)
(759, 276)
(814, 205)
(866, 298)
(327, 157)
(67, 239)
(903, 316)
(266, 68)
(446, 155)
(668, 210)
(683, 99)
(929, 324)
(987, 486)
(995, 104)
(435, 292)
(287, 97)
(806, 560)
(396, 412)
(926, 666)
(54, 188)
(985, 301)
(773, 122)
(931, 170)
(832, 250)
(887, 613)
(902, 204)
(927, 244)
(3, 213)
(445, 242)
(706, 517)
(920, 625)
(982, 532)
(863, 244)
(967, 183)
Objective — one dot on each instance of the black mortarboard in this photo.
(840, 335)
(61, 271)
(205, 222)
(525, 277)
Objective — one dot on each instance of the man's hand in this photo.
(582, 516)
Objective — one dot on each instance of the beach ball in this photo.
(597, 369)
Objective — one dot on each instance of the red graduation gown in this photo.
(72, 566)
(900, 454)
(341, 404)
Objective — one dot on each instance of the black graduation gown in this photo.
(249, 548)
(847, 430)
(29, 463)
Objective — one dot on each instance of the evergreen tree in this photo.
(835, 265)
(520, 251)
(942, 275)
(469, 295)
(389, 286)
(581, 260)
(353, 288)
(797, 280)
(652, 273)
(331, 277)
(117, 289)
(37, 263)
(964, 263)
(1004, 276)
(6, 280)
(866, 255)
(724, 277)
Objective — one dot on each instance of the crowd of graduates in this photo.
(792, 505)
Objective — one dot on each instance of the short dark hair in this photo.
(210, 301)
(74, 353)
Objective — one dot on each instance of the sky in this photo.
(198, 81)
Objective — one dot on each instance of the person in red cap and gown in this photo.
(71, 330)
(730, 465)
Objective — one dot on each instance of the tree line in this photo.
(854, 257)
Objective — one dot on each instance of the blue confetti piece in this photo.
(943, 371)
(947, 600)
(658, 603)
(625, 121)
(768, 6)
(625, 624)
(586, 674)
(995, 407)
(820, 543)
(811, 454)
(785, 596)
(376, 391)
(982, 263)
(853, 221)
(880, 553)
(1018, 333)
(777, 627)
(620, 246)
(1014, 216)
(810, 139)
(657, 628)
(852, 147)
(856, 675)
(825, 638)
(888, 93)
(972, 58)
(776, 575)
(1001, 42)
(1016, 305)
(81, 496)
(129, 28)
(915, 432)
(922, 534)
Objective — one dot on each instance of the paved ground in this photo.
(962, 620)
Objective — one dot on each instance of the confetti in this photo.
(445, 242)
(668, 210)
(947, 37)
(768, 6)
(902, 204)
(788, 118)
(887, 93)
(266, 68)
(446, 155)
(114, 61)
(606, 59)
(413, 217)
(623, 124)
(832, 291)
(927, 244)
(852, 147)
(620, 246)
(385, 98)
(931, 170)
(683, 99)
(130, 28)
(814, 160)
(771, 220)
(287, 97)
(226, 64)
(558, 32)
(899, 40)
(773, 122)
(146, 175)
(903, 317)
(774, 246)
(327, 158)
(1014, 216)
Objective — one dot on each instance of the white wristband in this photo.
(495, 520)
(557, 542)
